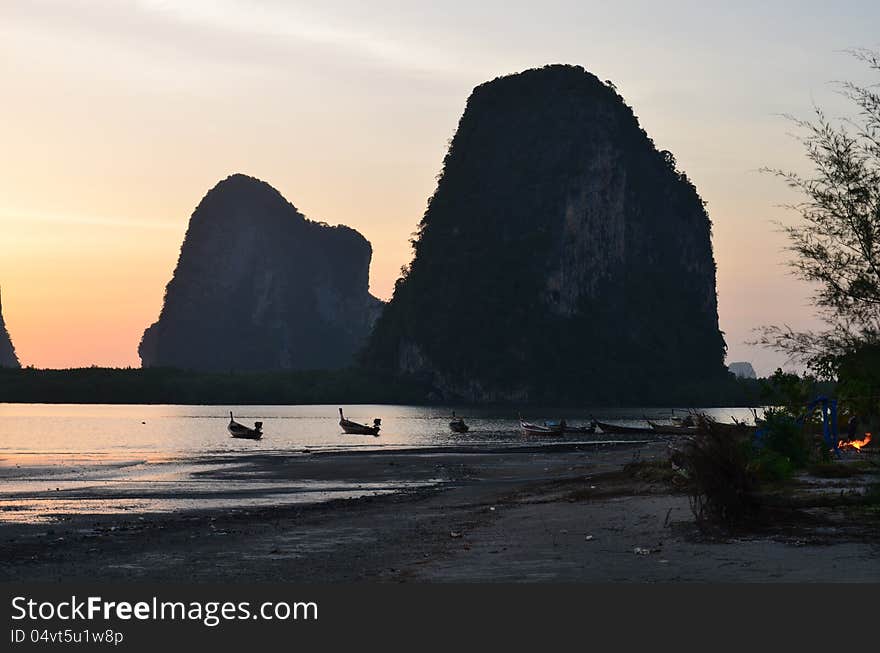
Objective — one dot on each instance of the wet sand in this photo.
(534, 513)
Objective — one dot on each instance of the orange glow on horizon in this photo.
(117, 118)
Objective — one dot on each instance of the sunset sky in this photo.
(117, 116)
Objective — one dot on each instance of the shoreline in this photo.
(532, 516)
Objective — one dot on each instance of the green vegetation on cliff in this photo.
(562, 257)
(259, 287)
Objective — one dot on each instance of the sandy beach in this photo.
(559, 513)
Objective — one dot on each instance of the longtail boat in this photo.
(619, 428)
(542, 429)
(672, 429)
(243, 432)
(353, 428)
(583, 430)
(457, 424)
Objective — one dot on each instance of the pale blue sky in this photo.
(117, 116)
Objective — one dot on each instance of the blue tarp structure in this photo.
(829, 423)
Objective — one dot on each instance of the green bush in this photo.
(770, 466)
(786, 438)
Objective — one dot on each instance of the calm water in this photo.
(179, 431)
(62, 460)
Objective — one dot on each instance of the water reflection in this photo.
(58, 460)
(173, 430)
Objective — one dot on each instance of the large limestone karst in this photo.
(260, 287)
(562, 256)
(7, 351)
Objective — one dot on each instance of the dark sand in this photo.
(563, 513)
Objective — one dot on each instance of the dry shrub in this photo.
(722, 485)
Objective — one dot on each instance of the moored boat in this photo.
(353, 428)
(556, 428)
(583, 430)
(672, 429)
(619, 428)
(736, 428)
(458, 425)
(687, 420)
(553, 428)
(237, 430)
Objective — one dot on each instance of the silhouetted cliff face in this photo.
(260, 287)
(561, 255)
(7, 351)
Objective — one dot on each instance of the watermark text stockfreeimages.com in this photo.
(208, 613)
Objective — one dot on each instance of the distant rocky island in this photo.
(8, 357)
(742, 370)
(562, 256)
(260, 287)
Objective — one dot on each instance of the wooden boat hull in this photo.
(736, 429)
(617, 428)
(671, 429)
(247, 436)
(243, 432)
(580, 430)
(556, 428)
(354, 428)
(537, 429)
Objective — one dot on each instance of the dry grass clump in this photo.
(723, 487)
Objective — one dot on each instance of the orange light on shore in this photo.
(857, 444)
